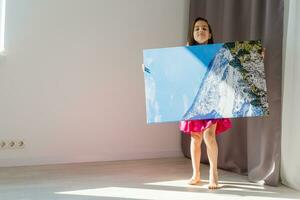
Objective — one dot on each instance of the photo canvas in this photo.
(223, 80)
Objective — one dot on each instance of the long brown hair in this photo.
(191, 39)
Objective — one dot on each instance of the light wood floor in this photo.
(151, 179)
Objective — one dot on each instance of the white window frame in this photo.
(2, 26)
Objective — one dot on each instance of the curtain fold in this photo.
(252, 146)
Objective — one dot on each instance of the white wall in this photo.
(71, 85)
(290, 162)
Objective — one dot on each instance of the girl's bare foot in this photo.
(195, 180)
(213, 181)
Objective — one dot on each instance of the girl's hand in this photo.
(263, 53)
(146, 69)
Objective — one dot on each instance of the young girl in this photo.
(201, 33)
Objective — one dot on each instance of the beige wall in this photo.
(71, 85)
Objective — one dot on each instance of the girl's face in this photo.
(201, 32)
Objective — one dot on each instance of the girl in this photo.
(201, 33)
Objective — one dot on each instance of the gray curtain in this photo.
(252, 146)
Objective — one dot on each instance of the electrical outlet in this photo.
(19, 144)
(12, 144)
(2, 144)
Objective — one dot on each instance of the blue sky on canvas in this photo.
(177, 73)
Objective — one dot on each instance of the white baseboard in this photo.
(13, 162)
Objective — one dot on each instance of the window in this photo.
(2, 24)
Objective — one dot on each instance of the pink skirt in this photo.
(200, 125)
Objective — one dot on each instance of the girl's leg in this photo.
(196, 140)
(212, 152)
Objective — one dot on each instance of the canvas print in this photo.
(224, 80)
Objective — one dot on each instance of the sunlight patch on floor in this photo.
(225, 185)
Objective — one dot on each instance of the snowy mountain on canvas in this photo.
(234, 85)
